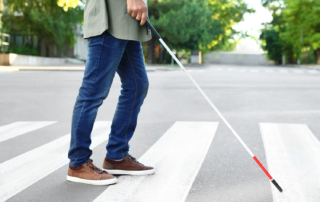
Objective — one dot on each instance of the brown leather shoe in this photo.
(88, 173)
(127, 166)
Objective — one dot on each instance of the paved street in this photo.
(275, 110)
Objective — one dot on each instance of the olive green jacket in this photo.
(111, 15)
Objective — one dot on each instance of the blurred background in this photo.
(257, 60)
(245, 32)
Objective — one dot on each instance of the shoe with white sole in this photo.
(88, 173)
(127, 166)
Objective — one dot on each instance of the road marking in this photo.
(19, 128)
(313, 71)
(283, 71)
(24, 170)
(269, 71)
(298, 71)
(254, 71)
(177, 157)
(197, 70)
(231, 69)
(293, 154)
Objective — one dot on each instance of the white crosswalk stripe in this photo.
(196, 70)
(24, 170)
(19, 128)
(254, 71)
(298, 71)
(283, 71)
(241, 70)
(293, 154)
(231, 69)
(313, 71)
(170, 155)
(269, 71)
(261, 70)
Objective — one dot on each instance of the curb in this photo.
(8, 69)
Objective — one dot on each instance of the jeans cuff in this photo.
(76, 165)
(117, 157)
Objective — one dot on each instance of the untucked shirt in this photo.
(111, 15)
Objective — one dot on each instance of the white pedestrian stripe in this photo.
(298, 71)
(177, 157)
(196, 70)
(254, 71)
(22, 171)
(313, 71)
(293, 154)
(283, 71)
(19, 128)
(269, 71)
(260, 70)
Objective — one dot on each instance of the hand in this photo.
(138, 10)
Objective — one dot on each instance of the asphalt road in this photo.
(221, 171)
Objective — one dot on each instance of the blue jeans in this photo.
(106, 56)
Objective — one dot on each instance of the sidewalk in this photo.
(149, 68)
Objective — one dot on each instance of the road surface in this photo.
(275, 110)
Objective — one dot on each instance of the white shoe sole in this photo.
(127, 172)
(92, 182)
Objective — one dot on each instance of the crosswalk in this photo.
(52, 156)
(19, 128)
(183, 141)
(258, 70)
(292, 153)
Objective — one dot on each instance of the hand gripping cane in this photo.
(213, 106)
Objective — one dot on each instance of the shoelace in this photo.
(133, 160)
(93, 167)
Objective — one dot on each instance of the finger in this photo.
(138, 17)
(134, 14)
(129, 10)
(143, 18)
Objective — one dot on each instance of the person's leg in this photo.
(104, 55)
(135, 85)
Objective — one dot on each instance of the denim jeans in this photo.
(106, 56)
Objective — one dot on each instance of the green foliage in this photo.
(43, 18)
(303, 24)
(228, 13)
(272, 44)
(24, 50)
(197, 24)
(294, 30)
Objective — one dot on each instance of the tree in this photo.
(270, 35)
(44, 19)
(228, 13)
(303, 26)
(272, 45)
(66, 4)
(294, 30)
(183, 24)
(196, 24)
